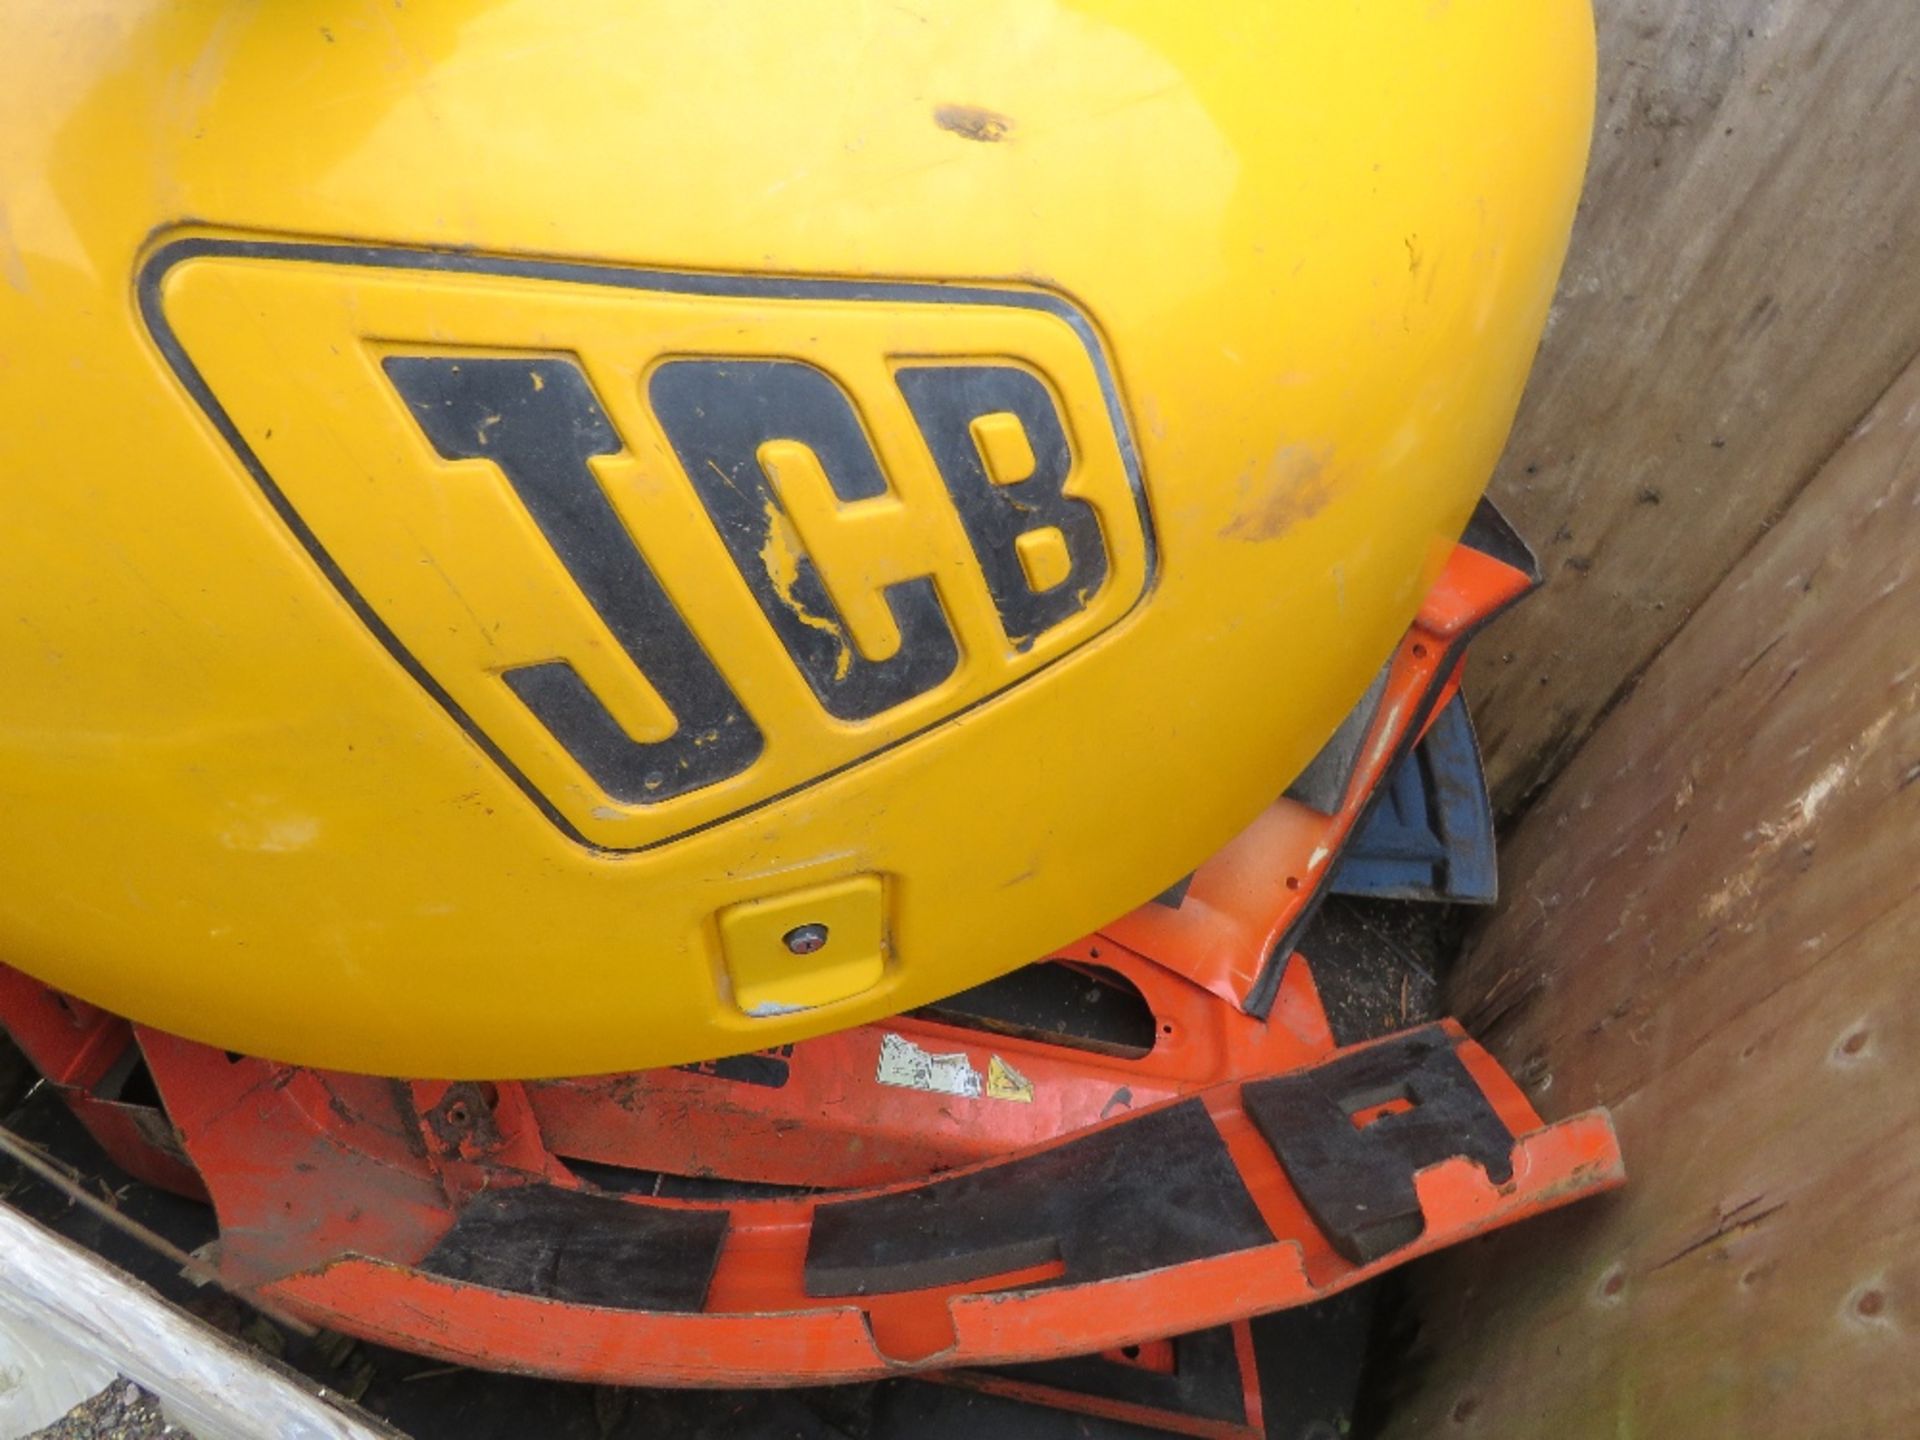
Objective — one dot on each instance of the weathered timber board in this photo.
(79, 1304)
(1741, 289)
(1712, 924)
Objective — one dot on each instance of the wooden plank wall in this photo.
(1709, 724)
(1744, 283)
(1712, 925)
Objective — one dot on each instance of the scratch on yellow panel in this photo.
(781, 557)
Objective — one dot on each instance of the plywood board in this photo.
(1741, 289)
(1711, 925)
(82, 1308)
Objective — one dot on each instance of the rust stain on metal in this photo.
(1292, 486)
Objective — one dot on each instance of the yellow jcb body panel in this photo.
(550, 537)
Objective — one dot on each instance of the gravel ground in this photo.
(122, 1411)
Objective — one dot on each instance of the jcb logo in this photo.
(667, 545)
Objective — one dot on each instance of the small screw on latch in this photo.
(804, 939)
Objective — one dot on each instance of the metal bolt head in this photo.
(804, 939)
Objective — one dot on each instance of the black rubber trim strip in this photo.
(1150, 1192)
(1492, 534)
(1175, 895)
(583, 1249)
(152, 276)
(1055, 1004)
(1206, 1383)
(1325, 781)
(1358, 1184)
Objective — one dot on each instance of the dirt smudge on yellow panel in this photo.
(1289, 488)
(974, 122)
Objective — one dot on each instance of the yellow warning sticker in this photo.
(1006, 1083)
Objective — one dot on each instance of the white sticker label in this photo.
(905, 1064)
